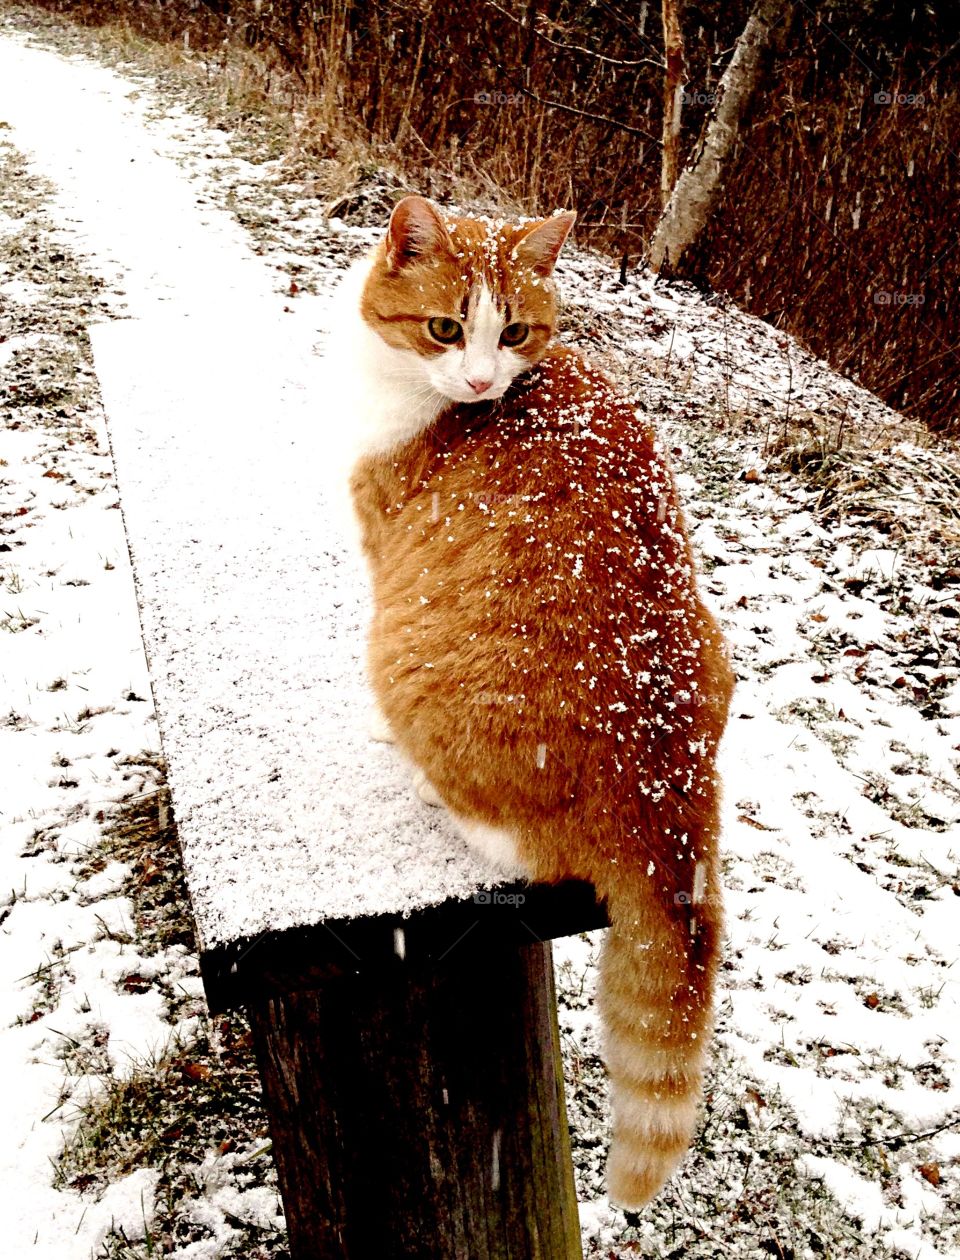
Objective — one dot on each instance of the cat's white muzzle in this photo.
(468, 395)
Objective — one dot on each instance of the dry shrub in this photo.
(837, 226)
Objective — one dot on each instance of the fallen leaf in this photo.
(931, 1173)
(150, 871)
(195, 1071)
(753, 822)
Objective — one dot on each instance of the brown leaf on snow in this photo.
(931, 1173)
(57, 476)
(150, 871)
(195, 1071)
(754, 822)
(871, 1000)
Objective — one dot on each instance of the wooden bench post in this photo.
(417, 1110)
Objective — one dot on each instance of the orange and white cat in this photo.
(539, 649)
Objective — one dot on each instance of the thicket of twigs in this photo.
(840, 218)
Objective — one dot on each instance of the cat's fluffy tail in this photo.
(656, 996)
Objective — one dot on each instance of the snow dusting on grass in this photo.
(829, 540)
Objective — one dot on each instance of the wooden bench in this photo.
(402, 1002)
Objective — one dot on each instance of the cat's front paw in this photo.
(425, 789)
(380, 729)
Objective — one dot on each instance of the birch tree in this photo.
(699, 186)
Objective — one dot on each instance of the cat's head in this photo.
(470, 303)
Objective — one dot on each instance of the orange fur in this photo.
(542, 654)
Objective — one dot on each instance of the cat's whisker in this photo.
(420, 391)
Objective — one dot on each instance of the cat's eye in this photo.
(514, 334)
(444, 330)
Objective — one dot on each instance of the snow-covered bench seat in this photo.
(401, 1001)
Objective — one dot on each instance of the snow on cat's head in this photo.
(468, 302)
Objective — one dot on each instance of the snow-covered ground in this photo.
(833, 1119)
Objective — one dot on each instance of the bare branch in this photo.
(896, 1140)
(583, 113)
(576, 48)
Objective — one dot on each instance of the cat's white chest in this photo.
(375, 396)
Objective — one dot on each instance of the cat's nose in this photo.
(479, 387)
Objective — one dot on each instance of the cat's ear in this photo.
(416, 231)
(541, 243)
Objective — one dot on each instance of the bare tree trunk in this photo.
(672, 96)
(697, 191)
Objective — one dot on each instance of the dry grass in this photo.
(196, 1100)
(911, 493)
(834, 230)
(142, 835)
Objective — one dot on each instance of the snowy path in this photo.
(126, 203)
(841, 991)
